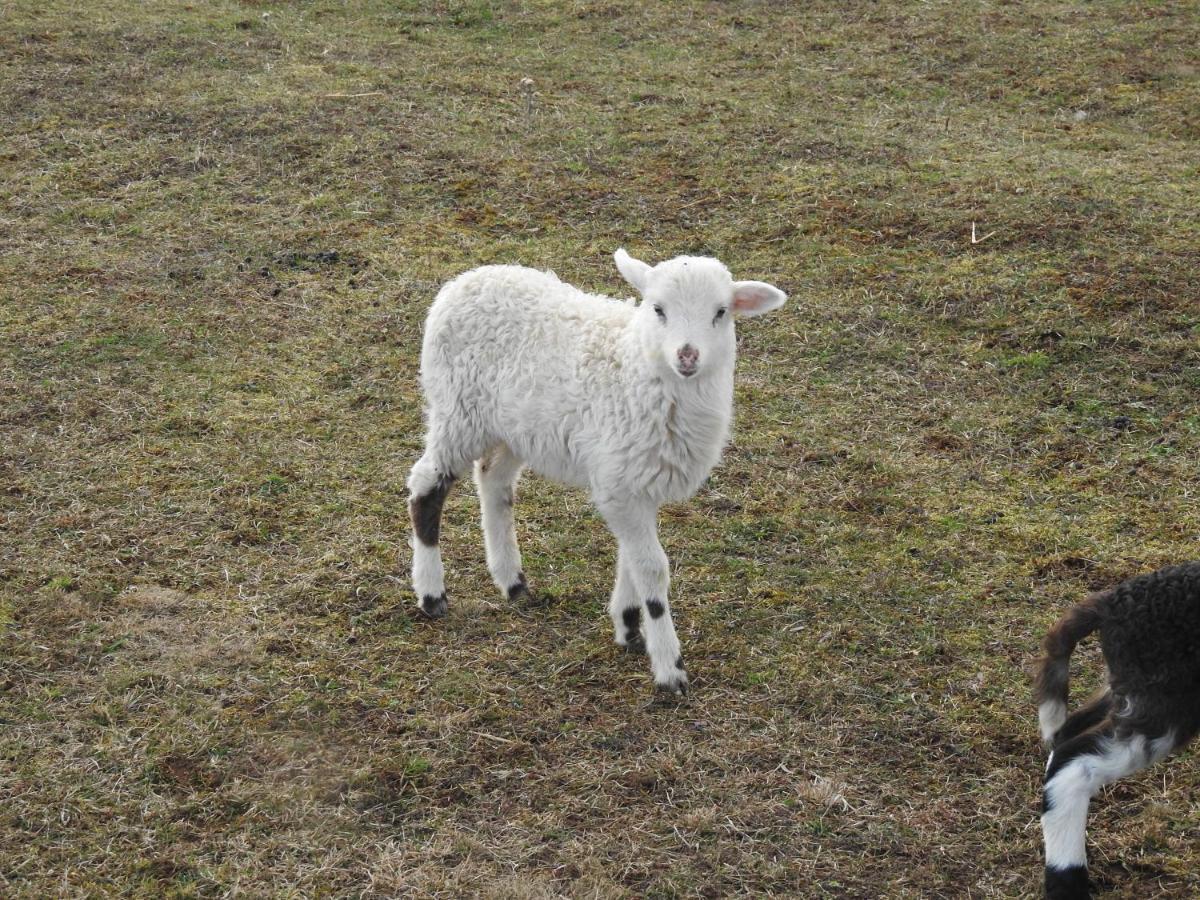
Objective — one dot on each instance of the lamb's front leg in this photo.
(625, 609)
(641, 558)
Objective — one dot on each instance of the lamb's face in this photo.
(687, 311)
(686, 315)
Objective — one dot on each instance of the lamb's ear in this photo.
(753, 298)
(633, 270)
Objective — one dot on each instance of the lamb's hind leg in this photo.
(496, 474)
(1077, 769)
(428, 484)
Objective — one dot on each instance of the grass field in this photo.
(220, 227)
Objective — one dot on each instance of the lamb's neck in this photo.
(695, 410)
(703, 402)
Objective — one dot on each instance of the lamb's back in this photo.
(1151, 629)
(518, 302)
(523, 340)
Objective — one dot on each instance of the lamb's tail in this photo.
(1054, 674)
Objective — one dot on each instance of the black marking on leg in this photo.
(679, 663)
(1077, 746)
(655, 608)
(426, 511)
(632, 617)
(519, 589)
(1067, 884)
(434, 607)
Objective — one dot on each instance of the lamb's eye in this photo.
(658, 311)
(719, 316)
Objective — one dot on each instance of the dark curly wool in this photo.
(1150, 634)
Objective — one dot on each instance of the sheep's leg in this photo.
(496, 474)
(1076, 770)
(640, 555)
(428, 484)
(626, 611)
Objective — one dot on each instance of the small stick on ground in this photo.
(975, 240)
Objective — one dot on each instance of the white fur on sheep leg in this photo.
(496, 474)
(428, 484)
(429, 580)
(1075, 772)
(625, 610)
(641, 556)
(427, 490)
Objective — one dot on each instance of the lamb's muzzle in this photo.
(689, 359)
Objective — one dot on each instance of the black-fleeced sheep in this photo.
(1150, 635)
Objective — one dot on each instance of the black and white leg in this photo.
(625, 609)
(640, 557)
(496, 474)
(1076, 770)
(428, 484)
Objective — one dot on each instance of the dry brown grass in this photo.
(221, 226)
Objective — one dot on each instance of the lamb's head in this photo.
(688, 308)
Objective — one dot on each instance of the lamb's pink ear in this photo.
(753, 298)
(634, 270)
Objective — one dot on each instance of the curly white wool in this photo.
(632, 401)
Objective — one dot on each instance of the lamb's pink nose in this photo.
(688, 357)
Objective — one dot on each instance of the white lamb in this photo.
(631, 401)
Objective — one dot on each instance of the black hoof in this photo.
(520, 589)
(434, 607)
(1067, 884)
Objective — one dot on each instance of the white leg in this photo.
(625, 609)
(1076, 770)
(428, 484)
(496, 474)
(641, 557)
